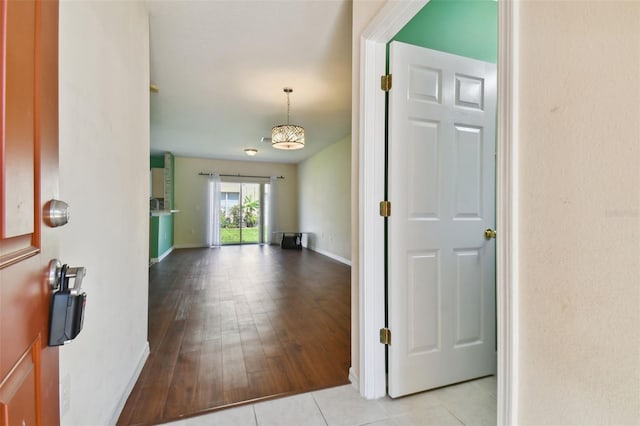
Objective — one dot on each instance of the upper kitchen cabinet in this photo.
(161, 180)
(157, 182)
(168, 180)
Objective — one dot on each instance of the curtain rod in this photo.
(239, 175)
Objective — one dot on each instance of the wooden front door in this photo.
(29, 173)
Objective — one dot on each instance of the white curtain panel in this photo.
(273, 209)
(213, 210)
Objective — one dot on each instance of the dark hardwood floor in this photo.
(238, 324)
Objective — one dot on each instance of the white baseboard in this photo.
(132, 382)
(159, 259)
(191, 245)
(331, 255)
(322, 252)
(354, 379)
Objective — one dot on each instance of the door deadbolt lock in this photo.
(489, 233)
(58, 272)
(56, 213)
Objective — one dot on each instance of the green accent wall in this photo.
(156, 161)
(161, 227)
(173, 198)
(463, 27)
(153, 236)
(160, 235)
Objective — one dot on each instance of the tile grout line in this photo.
(319, 409)
(255, 415)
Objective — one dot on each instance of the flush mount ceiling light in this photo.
(251, 152)
(287, 136)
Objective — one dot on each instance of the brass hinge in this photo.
(385, 336)
(385, 208)
(385, 82)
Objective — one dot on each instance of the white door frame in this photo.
(392, 18)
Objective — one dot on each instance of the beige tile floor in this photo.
(470, 403)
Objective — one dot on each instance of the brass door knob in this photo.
(489, 233)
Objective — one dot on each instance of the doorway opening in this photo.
(243, 213)
(390, 19)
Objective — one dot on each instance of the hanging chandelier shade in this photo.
(287, 136)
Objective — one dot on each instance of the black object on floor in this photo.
(291, 241)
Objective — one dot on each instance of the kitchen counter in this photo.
(162, 212)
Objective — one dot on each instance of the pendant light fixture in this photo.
(287, 136)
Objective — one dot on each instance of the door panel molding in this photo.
(20, 389)
(19, 159)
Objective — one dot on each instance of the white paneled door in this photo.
(441, 267)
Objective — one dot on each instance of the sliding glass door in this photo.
(241, 213)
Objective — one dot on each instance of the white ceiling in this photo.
(221, 67)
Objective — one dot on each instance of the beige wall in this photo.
(190, 194)
(579, 213)
(324, 183)
(104, 176)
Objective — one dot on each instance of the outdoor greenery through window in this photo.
(241, 215)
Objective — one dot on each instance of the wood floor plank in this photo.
(255, 360)
(183, 385)
(155, 389)
(234, 375)
(240, 323)
(209, 390)
(284, 373)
